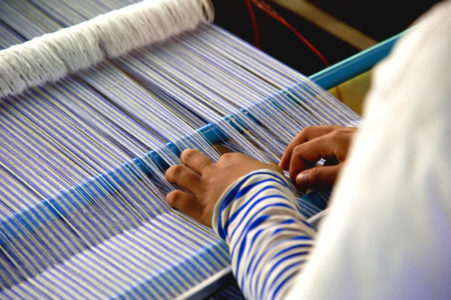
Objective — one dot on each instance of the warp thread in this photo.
(54, 55)
(70, 232)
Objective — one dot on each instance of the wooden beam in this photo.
(328, 23)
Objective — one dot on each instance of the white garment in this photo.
(388, 235)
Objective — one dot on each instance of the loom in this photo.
(92, 115)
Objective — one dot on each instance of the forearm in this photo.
(269, 239)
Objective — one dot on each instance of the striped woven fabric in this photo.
(82, 160)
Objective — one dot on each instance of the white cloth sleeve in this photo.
(388, 234)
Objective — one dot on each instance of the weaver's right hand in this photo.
(309, 146)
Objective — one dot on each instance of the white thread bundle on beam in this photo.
(54, 55)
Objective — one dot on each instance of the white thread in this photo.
(54, 55)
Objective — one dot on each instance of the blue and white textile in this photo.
(269, 239)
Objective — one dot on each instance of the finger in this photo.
(306, 134)
(184, 177)
(306, 155)
(186, 203)
(195, 159)
(317, 178)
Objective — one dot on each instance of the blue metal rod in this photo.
(354, 65)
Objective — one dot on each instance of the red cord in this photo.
(254, 24)
(273, 14)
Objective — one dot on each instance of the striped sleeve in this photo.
(269, 240)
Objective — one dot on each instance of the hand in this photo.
(205, 181)
(308, 147)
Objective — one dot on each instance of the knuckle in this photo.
(305, 133)
(336, 136)
(168, 174)
(297, 150)
(226, 157)
(187, 154)
(336, 132)
(172, 197)
(308, 129)
(174, 172)
(177, 169)
(316, 173)
(298, 154)
(340, 131)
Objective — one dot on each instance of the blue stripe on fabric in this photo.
(286, 269)
(256, 202)
(248, 225)
(289, 277)
(263, 229)
(242, 207)
(251, 226)
(250, 186)
(222, 231)
(292, 248)
(255, 265)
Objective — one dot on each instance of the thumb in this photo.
(318, 178)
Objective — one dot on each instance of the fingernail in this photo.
(301, 178)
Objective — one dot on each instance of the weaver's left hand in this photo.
(205, 181)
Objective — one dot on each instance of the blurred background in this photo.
(337, 28)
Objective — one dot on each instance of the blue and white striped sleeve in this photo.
(269, 240)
